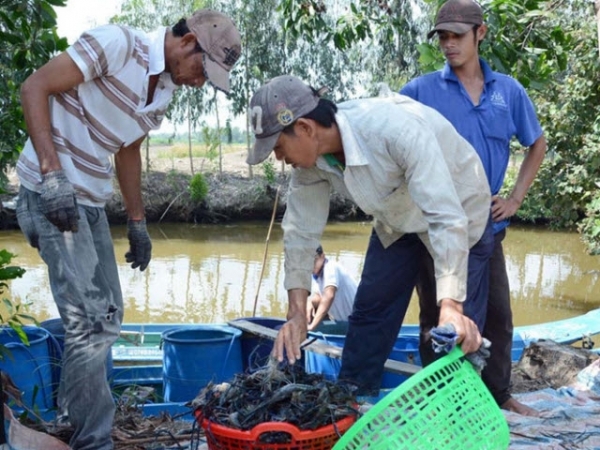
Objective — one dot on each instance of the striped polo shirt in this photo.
(94, 120)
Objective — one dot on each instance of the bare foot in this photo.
(513, 405)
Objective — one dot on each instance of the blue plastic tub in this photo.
(332, 333)
(29, 366)
(195, 356)
(406, 349)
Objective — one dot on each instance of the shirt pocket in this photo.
(497, 124)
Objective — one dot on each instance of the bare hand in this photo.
(289, 338)
(503, 208)
(468, 335)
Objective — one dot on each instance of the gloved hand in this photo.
(57, 201)
(140, 246)
(443, 339)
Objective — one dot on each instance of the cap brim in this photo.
(217, 76)
(262, 149)
(453, 27)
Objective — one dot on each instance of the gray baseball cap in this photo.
(276, 105)
(457, 16)
(221, 42)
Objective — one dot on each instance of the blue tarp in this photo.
(570, 416)
(570, 420)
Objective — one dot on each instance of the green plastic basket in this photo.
(445, 406)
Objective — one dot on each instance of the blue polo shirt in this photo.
(504, 111)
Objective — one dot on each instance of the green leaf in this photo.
(18, 328)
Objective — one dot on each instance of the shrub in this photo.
(269, 171)
(198, 188)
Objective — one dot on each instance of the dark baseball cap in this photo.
(457, 16)
(276, 105)
(221, 43)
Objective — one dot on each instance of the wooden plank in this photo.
(397, 367)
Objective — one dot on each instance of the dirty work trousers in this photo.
(85, 285)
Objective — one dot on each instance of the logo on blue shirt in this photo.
(497, 99)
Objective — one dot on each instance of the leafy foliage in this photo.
(28, 39)
(569, 109)
(14, 316)
(525, 41)
(377, 40)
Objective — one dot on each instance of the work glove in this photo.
(57, 201)
(140, 246)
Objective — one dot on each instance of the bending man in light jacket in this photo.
(405, 165)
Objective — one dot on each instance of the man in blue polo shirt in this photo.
(487, 108)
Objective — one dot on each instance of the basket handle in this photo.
(269, 427)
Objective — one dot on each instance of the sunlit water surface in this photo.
(212, 274)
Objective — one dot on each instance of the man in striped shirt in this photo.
(99, 99)
(405, 165)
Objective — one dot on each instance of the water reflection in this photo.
(212, 273)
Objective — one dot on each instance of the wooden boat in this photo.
(137, 355)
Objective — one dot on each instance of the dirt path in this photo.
(233, 162)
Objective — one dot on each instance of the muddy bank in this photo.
(547, 364)
(231, 197)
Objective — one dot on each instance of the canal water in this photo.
(212, 273)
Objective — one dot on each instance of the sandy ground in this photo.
(234, 162)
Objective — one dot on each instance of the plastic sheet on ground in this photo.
(570, 416)
(22, 438)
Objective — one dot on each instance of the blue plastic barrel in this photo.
(255, 349)
(406, 349)
(57, 330)
(195, 356)
(29, 366)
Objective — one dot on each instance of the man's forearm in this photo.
(128, 164)
(297, 302)
(36, 110)
(529, 169)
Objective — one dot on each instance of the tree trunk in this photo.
(247, 89)
(597, 9)
(190, 138)
(219, 135)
